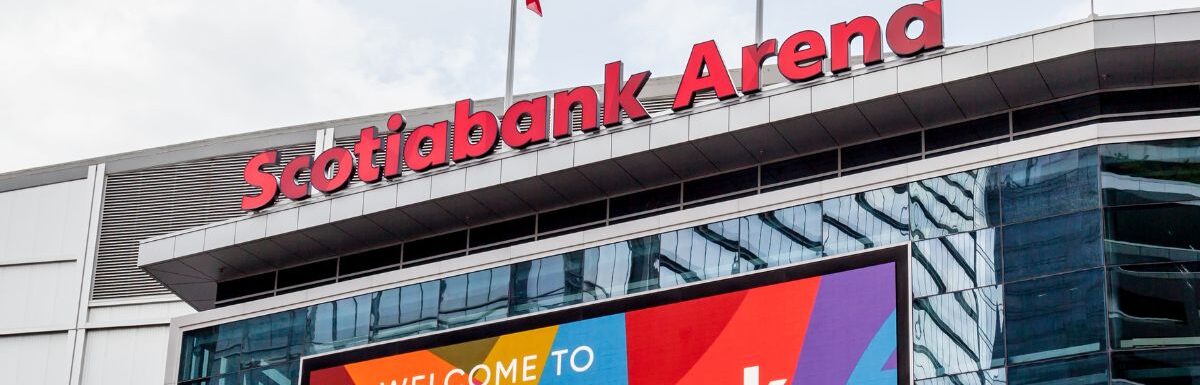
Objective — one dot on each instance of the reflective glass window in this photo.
(274, 339)
(308, 273)
(546, 283)
(405, 311)
(703, 252)
(988, 377)
(720, 184)
(1153, 233)
(231, 337)
(282, 374)
(643, 267)
(957, 333)
(1055, 113)
(971, 131)
(957, 262)
(574, 216)
(197, 350)
(1052, 245)
(606, 272)
(1150, 172)
(1055, 316)
(954, 203)
(435, 247)
(783, 236)
(1092, 369)
(1049, 185)
(502, 233)
(339, 324)
(1155, 305)
(881, 150)
(373, 260)
(644, 201)
(865, 220)
(800, 168)
(1168, 366)
(474, 297)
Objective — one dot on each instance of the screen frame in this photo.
(898, 254)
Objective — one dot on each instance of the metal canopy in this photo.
(897, 97)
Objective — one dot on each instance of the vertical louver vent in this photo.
(154, 201)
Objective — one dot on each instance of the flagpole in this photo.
(512, 42)
(758, 23)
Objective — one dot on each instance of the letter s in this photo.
(266, 183)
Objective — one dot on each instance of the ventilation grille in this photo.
(154, 201)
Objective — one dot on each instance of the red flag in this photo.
(535, 6)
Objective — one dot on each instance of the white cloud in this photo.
(96, 78)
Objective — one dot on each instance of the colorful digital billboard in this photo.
(838, 328)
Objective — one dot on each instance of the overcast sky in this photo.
(80, 79)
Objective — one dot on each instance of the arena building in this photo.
(1024, 210)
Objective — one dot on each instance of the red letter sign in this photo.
(930, 16)
(365, 149)
(335, 156)
(510, 129)
(801, 55)
(289, 183)
(391, 156)
(255, 176)
(753, 57)
(704, 56)
(466, 121)
(564, 101)
(436, 135)
(865, 27)
(618, 97)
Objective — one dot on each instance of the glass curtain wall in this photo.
(1078, 267)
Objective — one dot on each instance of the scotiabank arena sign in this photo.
(474, 135)
(838, 328)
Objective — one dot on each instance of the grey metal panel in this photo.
(846, 125)
(1070, 75)
(397, 223)
(1125, 67)
(149, 202)
(466, 208)
(346, 206)
(555, 158)
(500, 200)
(432, 217)
(648, 169)
(708, 123)
(932, 106)
(1022, 86)
(40, 177)
(725, 152)
(889, 115)
(572, 186)
(1175, 63)
(764, 142)
(805, 134)
(977, 96)
(610, 178)
(364, 232)
(684, 160)
(537, 194)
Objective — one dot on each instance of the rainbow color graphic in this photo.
(834, 329)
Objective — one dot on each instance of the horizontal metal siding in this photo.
(154, 201)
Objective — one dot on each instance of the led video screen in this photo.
(837, 328)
